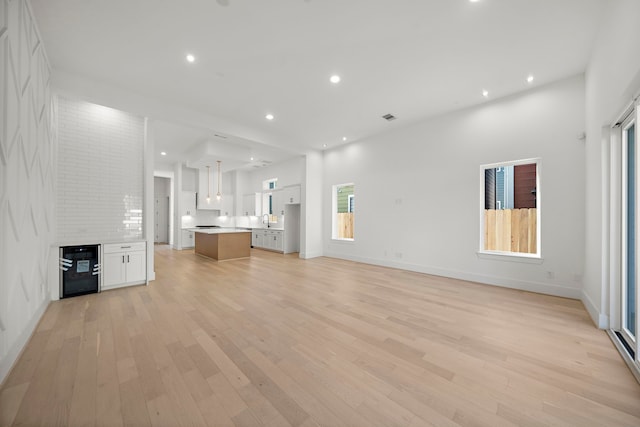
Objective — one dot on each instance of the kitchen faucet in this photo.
(263, 221)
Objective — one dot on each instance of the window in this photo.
(269, 209)
(268, 214)
(343, 215)
(510, 208)
(270, 184)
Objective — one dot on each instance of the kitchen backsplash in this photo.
(208, 217)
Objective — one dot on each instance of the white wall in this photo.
(177, 205)
(612, 77)
(289, 172)
(27, 179)
(189, 179)
(161, 186)
(417, 190)
(100, 173)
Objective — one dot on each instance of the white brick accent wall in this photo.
(100, 173)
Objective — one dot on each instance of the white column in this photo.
(148, 207)
(311, 243)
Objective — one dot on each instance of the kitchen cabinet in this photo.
(187, 241)
(208, 185)
(124, 264)
(257, 238)
(291, 195)
(268, 239)
(252, 204)
(274, 240)
(227, 207)
(188, 203)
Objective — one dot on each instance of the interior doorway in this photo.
(161, 216)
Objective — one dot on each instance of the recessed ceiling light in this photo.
(485, 93)
(190, 58)
(269, 117)
(252, 159)
(335, 79)
(324, 145)
(530, 79)
(474, 1)
(163, 153)
(344, 138)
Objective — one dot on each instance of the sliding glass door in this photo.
(630, 220)
(628, 295)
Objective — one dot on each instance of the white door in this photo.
(161, 234)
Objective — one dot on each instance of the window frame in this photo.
(617, 171)
(507, 255)
(626, 124)
(334, 212)
(270, 184)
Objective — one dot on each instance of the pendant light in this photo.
(208, 181)
(219, 195)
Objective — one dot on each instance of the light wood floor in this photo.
(277, 341)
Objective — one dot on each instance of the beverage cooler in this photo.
(79, 270)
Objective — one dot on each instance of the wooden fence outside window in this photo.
(345, 225)
(510, 230)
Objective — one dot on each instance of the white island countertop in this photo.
(221, 230)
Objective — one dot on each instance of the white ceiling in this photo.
(411, 58)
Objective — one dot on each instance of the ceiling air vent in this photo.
(389, 117)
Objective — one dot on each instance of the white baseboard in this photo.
(16, 349)
(537, 287)
(600, 320)
(309, 255)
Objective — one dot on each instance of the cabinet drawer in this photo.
(124, 247)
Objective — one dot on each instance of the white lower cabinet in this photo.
(187, 239)
(257, 238)
(124, 264)
(268, 239)
(275, 240)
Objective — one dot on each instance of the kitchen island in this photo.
(223, 243)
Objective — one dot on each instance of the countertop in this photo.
(89, 241)
(221, 230)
